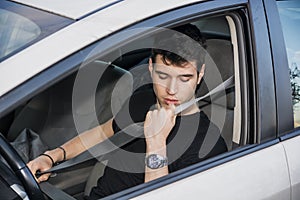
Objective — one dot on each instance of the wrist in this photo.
(49, 158)
(157, 147)
(155, 141)
(55, 154)
(64, 153)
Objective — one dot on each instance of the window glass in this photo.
(116, 82)
(22, 26)
(128, 99)
(289, 12)
(15, 32)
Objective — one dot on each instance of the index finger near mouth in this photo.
(172, 107)
(158, 106)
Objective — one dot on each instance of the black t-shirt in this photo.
(193, 139)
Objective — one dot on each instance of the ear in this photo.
(150, 66)
(201, 74)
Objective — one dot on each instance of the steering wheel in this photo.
(21, 170)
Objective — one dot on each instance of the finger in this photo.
(35, 175)
(32, 168)
(171, 108)
(148, 119)
(149, 113)
(158, 106)
(43, 177)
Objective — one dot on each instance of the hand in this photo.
(41, 163)
(158, 124)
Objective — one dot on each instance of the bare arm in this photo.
(72, 148)
(86, 140)
(157, 127)
(160, 149)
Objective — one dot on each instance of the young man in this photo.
(171, 142)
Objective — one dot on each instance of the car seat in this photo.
(52, 113)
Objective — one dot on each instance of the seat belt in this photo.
(226, 84)
(55, 193)
(131, 132)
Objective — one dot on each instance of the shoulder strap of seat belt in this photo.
(128, 134)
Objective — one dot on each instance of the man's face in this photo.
(174, 84)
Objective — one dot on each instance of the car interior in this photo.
(52, 117)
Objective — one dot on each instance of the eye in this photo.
(185, 78)
(163, 76)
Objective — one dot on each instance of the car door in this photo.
(258, 169)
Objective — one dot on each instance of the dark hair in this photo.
(177, 49)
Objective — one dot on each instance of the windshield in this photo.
(21, 26)
(15, 32)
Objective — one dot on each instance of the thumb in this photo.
(43, 177)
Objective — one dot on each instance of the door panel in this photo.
(260, 175)
(292, 149)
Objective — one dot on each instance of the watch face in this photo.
(155, 161)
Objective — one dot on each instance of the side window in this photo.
(116, 84)
(168, 83)
(289, 12)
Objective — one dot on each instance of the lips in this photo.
(169, 101)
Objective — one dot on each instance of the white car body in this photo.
(15, 70)
(265, 170)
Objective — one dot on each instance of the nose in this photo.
(172, 87)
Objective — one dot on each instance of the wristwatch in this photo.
(155, 161)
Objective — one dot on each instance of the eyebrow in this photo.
(187, 75)
(164, 73)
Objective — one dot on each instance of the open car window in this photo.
(102, 85)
